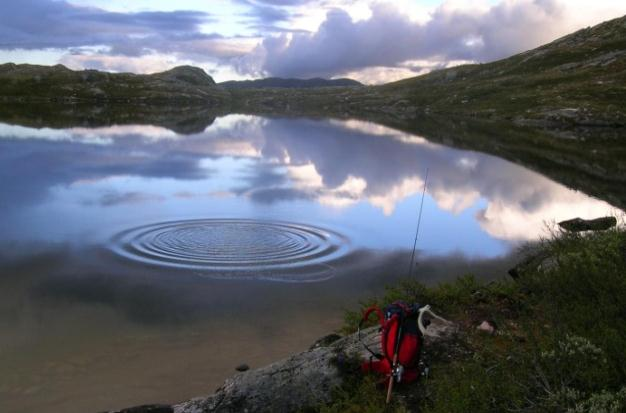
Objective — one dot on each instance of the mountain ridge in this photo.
(25, 82)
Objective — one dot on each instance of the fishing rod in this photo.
(419, 221)
(396, 368)
(404, 321)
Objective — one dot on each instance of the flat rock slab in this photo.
(305, 379)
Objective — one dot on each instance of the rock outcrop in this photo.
(290, 385)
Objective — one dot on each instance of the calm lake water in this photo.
(139, 265)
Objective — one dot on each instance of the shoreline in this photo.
(489, 369)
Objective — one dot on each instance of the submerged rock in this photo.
(242, 367)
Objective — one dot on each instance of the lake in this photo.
(140, 265)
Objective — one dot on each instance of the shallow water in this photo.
(140, 265)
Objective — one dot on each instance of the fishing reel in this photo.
(401, 309)
(396, 373)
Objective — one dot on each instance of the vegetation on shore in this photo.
(558, 346)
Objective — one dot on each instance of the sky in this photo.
(373, 41)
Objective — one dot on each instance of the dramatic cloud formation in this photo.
(341, 44)
(371, 40)
(100, 39)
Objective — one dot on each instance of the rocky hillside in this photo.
(277, 82)
(579, 79)
(58, 83)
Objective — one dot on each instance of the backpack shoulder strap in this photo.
(381, 321)
(369, 311)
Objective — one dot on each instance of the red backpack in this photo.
(401, 342)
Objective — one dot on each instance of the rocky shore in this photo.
(303, 380)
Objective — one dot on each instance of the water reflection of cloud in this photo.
(115, 198)
(370, 128)
(272, 195)
(334, 163)
(30, 168)
(53, 135)
(511, 220)
(340, 164)
(89, 136)
(388, 201)
(147, 132)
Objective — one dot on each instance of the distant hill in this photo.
(277, 82)
(58, 83)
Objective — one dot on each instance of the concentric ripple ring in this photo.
(236, 248)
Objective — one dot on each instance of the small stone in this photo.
(242, 367)
(487, 327)
(325, 341)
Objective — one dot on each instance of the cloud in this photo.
(114, 198)
(272, 16)
(95, 38)
(373, 41)
(265, 13)
(342, 44)
(37, 24)
(139, 64)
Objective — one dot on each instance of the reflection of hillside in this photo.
(591, 160)
(183, 119)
